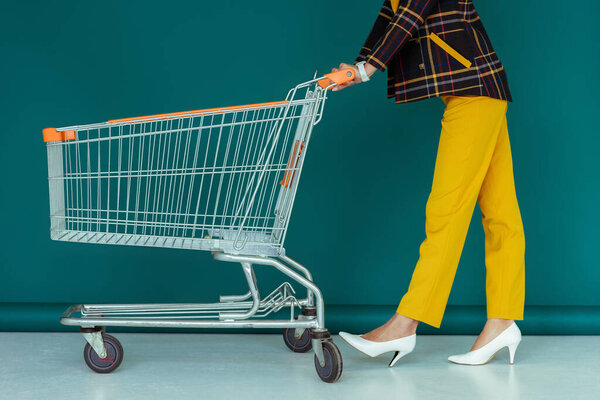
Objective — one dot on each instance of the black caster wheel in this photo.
(113, 358)
(332, 370)
(300, 344)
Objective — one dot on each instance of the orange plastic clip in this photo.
(288, 177)
(52, 135)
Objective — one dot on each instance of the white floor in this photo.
(231, 366)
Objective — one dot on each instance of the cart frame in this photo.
(250, 240)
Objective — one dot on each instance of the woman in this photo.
(440, 48)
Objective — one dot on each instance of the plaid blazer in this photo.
(433, 48)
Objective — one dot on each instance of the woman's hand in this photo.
(369, 69)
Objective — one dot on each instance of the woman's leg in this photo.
(504, 235)
(504, 243)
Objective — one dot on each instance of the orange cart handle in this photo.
(339, 77)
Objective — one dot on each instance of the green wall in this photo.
(360, 211)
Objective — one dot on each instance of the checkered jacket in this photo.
(433, 48)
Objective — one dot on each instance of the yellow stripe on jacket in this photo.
(437, 40)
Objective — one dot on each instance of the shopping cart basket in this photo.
(222, 180)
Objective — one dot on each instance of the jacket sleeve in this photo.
(411, 14)
(381, 23)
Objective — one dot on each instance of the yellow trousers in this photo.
(474, 163)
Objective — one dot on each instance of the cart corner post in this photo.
(54, 149)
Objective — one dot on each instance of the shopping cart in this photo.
(222, 180)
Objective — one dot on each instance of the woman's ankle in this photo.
(499, 322)
(404, 324)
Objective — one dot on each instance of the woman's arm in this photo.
(409, 16)
(389, 34)
(381, 22)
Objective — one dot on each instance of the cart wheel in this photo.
(113, 358)
(332, 370)
(297, 345)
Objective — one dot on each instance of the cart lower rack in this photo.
(222, 180)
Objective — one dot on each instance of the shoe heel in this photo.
(397, 356)
(512, 349)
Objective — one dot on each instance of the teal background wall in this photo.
(360, 211)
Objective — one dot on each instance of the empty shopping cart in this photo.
(222, 180)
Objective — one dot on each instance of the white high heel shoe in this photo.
(510, 337)
(401, 346)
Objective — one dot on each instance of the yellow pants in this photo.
(474, 163)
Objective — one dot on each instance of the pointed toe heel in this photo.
(510, 337)
(401, 346)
